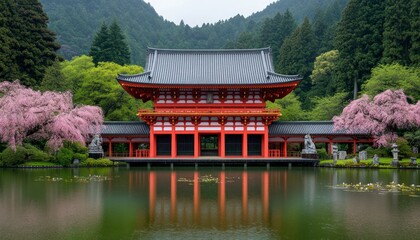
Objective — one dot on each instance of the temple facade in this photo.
(211, 103)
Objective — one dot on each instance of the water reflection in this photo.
(206, 203)
(229, 200)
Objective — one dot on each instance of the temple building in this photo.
(211, 103)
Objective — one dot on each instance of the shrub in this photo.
(10, 158)
(405, 149)
(322, 153)
(102, 162)
(65, 156)
(381, 152)
(76, 147)
(36, 155)
(81, 156)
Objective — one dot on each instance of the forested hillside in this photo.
(76, 21)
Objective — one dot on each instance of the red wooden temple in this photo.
(211, 103)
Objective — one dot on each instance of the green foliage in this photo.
(397, 31)
(275, 30)
(76, 147)
(109, 45)
(404, 148)
(65, 156)
(414, 51)
(10, 158)
(290, 108)
(322, 154)
(323, 74)
(27, 46)
(297, 55)
(413, 137)
(328, 107)
(36, 155)
(394, 76)
(76, 22)
(97, 86)
(381, 152)
(359, 41)
(81, 156)
(54, 80)
(103, 162)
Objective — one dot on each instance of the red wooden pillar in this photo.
(245, 144)
(265, 143)
(285, 147)
(354, 146)
(152, 144)
(130, 148)
(222, 143)
(196, 145)
(110, 147)
(173, 145)
(330, 146)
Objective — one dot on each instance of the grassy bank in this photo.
(383, 163)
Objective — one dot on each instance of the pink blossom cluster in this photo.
(25, 113)
(380, 117)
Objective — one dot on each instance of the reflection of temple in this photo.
(212, 103)
(239, 198)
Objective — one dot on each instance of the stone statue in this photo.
(375, 160)
(335, 153)
(395, 152)
(309, 145)
(95, 147)
(96, 142)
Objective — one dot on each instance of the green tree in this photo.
(359, 41)
(109, 45)
(290, 108)
(297, 55)
(397, 32)
(97, 86)
(120, 53)
(328, 107)
(101, 46)
(28, 47)
(323, 75)
(54, 80)
(414, 51)
(76, 70)
(394, 76)
(275, 30)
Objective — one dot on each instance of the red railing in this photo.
(208, 111)
(274, 153)
(142, 153)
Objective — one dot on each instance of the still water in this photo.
(208, 203)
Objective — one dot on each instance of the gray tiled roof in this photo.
(125, 128)
(306, 127)
(209, 67)
(276, 128)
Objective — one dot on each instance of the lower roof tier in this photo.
(276, 128)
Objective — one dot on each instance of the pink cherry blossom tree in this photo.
(381, 117)
(25, 113)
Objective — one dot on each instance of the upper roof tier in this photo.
(209, 67)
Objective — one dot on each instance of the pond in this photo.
(209, 203)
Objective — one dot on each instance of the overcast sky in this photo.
(197, 12)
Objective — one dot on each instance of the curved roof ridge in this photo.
(284, 75)
(206, 50)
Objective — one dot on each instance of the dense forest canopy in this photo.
(77, 21)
